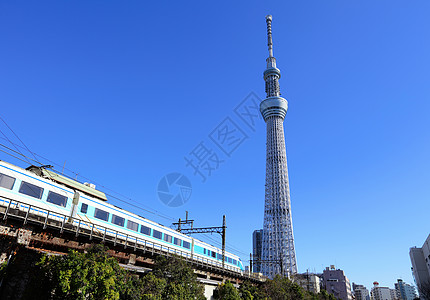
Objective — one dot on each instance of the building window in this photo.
(6, 181)
(57, 199)
(31, 190)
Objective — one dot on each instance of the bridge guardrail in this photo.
(46, 218)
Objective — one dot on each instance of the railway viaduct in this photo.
(22, 229)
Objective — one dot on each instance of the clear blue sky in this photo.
(122, 91)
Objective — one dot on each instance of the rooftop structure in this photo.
(382, 292)
(405, 291)
(336, 283)
(360, 292)
(308, 281)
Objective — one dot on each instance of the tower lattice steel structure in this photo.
(278, 253)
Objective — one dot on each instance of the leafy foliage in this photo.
(91, 275)
(279, 288)
(181, 281)
(227, 291)
(282, 288)
(248, 291)
(96, 275)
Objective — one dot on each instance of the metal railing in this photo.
(47, 218)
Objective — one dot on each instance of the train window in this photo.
(84, 208)
(204, 250)
(229, 260)
(157, 234)
(186, 245)
(118, 220)
(6, 181)
(234, 262)
(132, 225)
(145, 230)
(178, 241)
(168, 238)
(31, 190)
(220, 256)
(213, 254)
(225, 259)
(57, 199)
(101, 214)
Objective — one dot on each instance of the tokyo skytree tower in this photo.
(278, 253)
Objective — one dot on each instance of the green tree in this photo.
(247, 291)
(281, 287)
(323, 295)
(152, 287)
(226, 291)
(181, 281)
(91, 275)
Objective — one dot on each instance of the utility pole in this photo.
(223, 240)
(186, 222)
(268, 261)
(221, 230)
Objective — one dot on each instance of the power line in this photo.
(18, 137)
(13, 156)
(151, 211)
(13, 145)
(18, 152)
(229, 247)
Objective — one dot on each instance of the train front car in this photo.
(32, 192)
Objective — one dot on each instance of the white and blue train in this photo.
(39, 190)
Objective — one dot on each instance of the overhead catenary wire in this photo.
(17, 150)
(18, 137)
(210, 240)
(154, 212)
(13, 156)
(28, 159)
(229, 247)
(136, 205)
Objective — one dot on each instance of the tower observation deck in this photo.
(278, 252)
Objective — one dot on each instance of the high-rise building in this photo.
(382, 293)
(257, 239)
(336, 283)
(405, 291)
(308, 281)
(420, 259)
(279, 256)
(360, 292)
